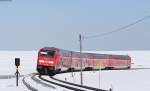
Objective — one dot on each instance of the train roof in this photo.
(96, 55)
(49, 48)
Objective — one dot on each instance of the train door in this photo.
(108, 62)
(89, 61)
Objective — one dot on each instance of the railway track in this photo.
(28, 85)
(41, 82)
(52, 83)
(35, 84)
(87, 87)
(68, 85)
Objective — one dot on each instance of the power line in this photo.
(119, 29)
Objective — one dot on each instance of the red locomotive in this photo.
(51, 60)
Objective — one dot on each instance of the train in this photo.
(51, 60)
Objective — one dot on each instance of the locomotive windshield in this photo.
(44, 53)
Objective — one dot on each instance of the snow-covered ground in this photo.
(27, 62)
(120, 80)
(7, 68)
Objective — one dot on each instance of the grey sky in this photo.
(32, 24)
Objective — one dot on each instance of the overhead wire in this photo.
(119, 29)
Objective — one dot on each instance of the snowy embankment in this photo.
(121, 80)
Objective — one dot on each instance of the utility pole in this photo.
(80, 40)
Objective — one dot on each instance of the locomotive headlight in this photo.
(41, 61)
(51, 62)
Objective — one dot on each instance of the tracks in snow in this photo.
(51, 83)
(69, 85)
(28, 85)
(33, 83)
(41, 82)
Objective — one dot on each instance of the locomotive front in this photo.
(46, 61)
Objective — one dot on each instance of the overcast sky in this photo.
(33, 24)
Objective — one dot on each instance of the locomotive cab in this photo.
(46, 58)
(46, 61)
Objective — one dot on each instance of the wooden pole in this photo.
(81, 75)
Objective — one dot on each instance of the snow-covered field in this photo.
(27, 62)
(7, 68)
(120, 80)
